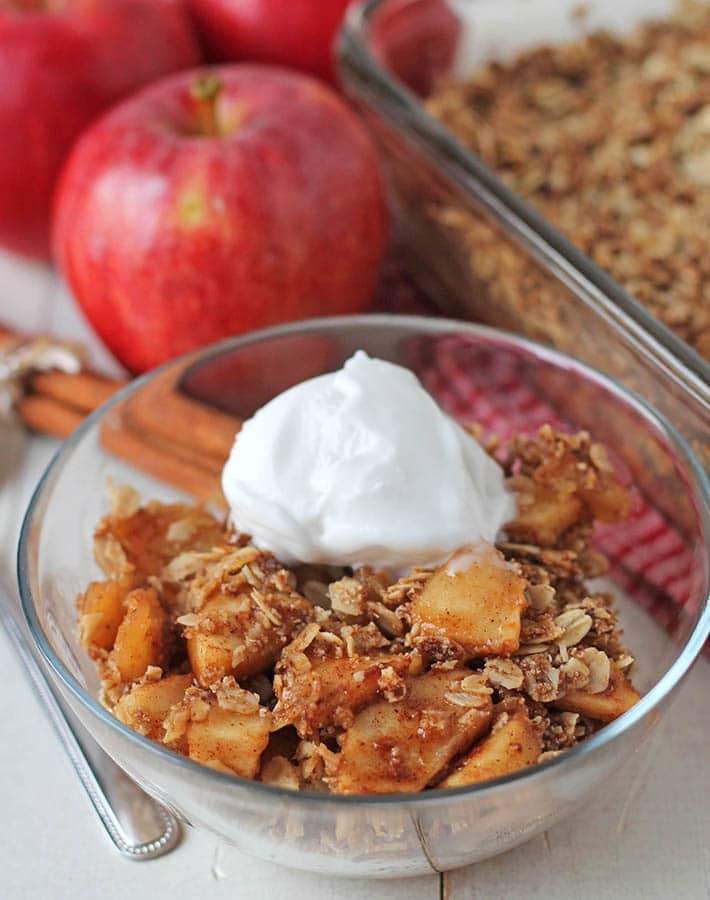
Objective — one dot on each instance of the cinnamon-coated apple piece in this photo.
(235, 635)
(544, 516)
(211, 656)
(101, 611)
(145, 707)
(231, 740)
(605, 706)
(331, 691)
(513, 744)
(402, 746)
(142, 637)
(475, 599)
(569, 480)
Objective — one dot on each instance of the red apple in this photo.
(217, 201)
(61, 63)
(416, 40)
(296, 33)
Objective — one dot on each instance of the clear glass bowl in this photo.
(476, 373)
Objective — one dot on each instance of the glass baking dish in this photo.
(476, 246)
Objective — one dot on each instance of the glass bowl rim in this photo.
(649, 701)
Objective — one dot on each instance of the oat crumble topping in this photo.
(609, 138)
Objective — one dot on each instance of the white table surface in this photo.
(645, 835)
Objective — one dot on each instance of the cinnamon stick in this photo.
(178, 449)
(84, 390)
(158, 429)
(49, 416)
(189, 477)
(161, 410)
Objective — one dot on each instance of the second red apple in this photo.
(295, 33)
(61, 64)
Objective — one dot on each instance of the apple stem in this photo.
(205, 90)
(36, 5)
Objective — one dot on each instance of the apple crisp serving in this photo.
(333, 679)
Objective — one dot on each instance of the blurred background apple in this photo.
(296, 33)
(61, 63)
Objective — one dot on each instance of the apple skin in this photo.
(171, 238)
(59, 68)
(416, 41)
(294, 33)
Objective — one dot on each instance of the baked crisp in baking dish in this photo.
(332, 679)
(608, 138)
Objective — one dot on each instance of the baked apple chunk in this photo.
(321, 680)
(230, 740)
(513, 744)
(146, 706)
(605, 706)
(475, 599)
(242, 635)
(143, 637)
(101, 610)
(402, 746)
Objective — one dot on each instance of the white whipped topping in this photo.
(361, 467)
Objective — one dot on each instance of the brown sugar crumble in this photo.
(609, 138)
(331, 679)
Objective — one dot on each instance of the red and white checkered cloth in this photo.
(649, 558)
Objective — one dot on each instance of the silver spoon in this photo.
(139, 826)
